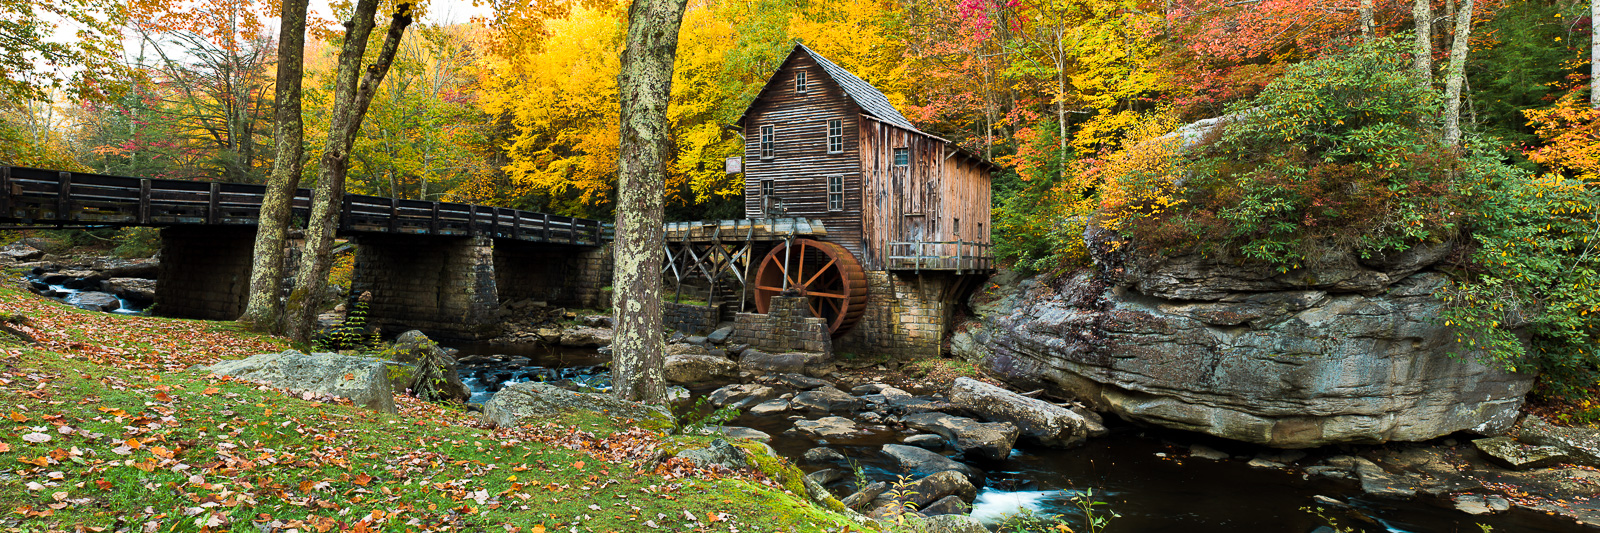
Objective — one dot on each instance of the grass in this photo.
(105, 428)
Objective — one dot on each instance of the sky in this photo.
(439, 11)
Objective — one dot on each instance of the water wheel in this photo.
(825, 273)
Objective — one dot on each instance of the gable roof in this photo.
(863, 94)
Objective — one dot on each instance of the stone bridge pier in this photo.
(204, 272)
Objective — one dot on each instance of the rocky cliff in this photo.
(1347, 351)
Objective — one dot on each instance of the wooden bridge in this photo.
(440, 267)
(57, 198)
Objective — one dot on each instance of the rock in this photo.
(1281, 456)
(1375, 481)
(761, 363)
(137, 290)
(1476, 504)
(870, 388)
(127, 268)
(945, 523)
(364, 380)
(19, 252)
(1330, 502)
(801, 382)
(770, 407)
(917, 462)
(719, 453)
(925, 441)
(720, 335)
(698, 369)
(586, 337)
(823, 455)
(1263, 463)
(740, 396)
(596, 321)
(1206, 452)
(989, 441)
(1509, 453)
(826, 476)
(826, 400)
(931, 489)
(830, 428)
(441, 382)
(685, 348)
(737, 433)
(1582, 446)
(75, 279)
(946, 505)
(1038, 420)
(696, 340)
(865, 496)
(1286, 366)
(532, 401)
(94, 301)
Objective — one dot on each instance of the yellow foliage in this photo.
(1140, 180)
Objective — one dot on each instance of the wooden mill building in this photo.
(883, 228)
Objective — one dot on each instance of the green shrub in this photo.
(137, 242)
(1040, 218)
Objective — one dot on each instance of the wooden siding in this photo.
(920, 201)
(801, 164)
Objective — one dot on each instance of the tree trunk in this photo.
(1594, 53)
(349, 106)
(1422, 59)
(1456, 75)
(1366, 20)
(644, 87)
(264, 311)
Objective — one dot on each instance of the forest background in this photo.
(519, 109)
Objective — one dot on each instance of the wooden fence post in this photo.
(144, 201)
(5, 192)
(433, 222)
(64, 201)
(213, 196)
(394, 215)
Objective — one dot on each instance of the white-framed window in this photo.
(835, 136)
(835, 193)
(768, 188)
(800, 86)
(768, 142)
(902, 157)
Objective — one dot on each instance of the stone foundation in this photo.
(442, 286)
(204, 272)
(907, 314)
(787, 327)
(690, 319)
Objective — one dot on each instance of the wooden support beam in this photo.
(546, 227)
(394, 215)
(516, 224)
(213, 196)
(64, 198)
(5, 192)
(144, 201)
(433, 221)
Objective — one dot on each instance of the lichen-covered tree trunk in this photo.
(264, 310)
(1365, 10)
(1455, 75)
(1422, 58)
(1594, 53)
(349, 106)
(644, 87)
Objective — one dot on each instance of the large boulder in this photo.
(532, 401)
(19, 252)
(742, 395)
(127, 268)
(973, 438)
(137, 290)
(1581, 446)
(691, 369)
(364, 380)
(828, 428)
(917, 462)
(433, 374)
(586, 337)
(95, 301)
(1282, 365)
(808, 363)
(1041, 421)
(826, 400)
(918, 494)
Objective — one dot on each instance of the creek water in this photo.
(64, 294)
(1144, 475)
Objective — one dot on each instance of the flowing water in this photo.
(65, 294)
(1144, 475)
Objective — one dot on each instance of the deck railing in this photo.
(37, 196)
(959, 256)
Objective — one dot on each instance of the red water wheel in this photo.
(825, 273)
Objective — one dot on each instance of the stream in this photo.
(1144, 475)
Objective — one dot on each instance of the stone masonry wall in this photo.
(442, 286)
(787, 327)
(907, 314)
(689, 319)
(563, 275)
(204, 272)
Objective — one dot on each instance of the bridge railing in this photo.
(40, 196)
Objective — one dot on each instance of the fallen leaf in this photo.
(19, 417)
(578, 465)
(362, 480)
(163, 397)
(36, 438)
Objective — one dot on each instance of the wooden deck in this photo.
(31, 196)
(744, 230)
(959, 256)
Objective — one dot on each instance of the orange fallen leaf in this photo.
(161, 452)
(362, 480)
(4, 447)
(19, 417)
(163, 397)
(537, 529)
(578, 465)
(133, 443)
(210, 390)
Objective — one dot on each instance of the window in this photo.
(800, 82)
(902, 157)
(768, 188)
(767, 138)
(955, 227)
(835, 136)
(835, 193)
